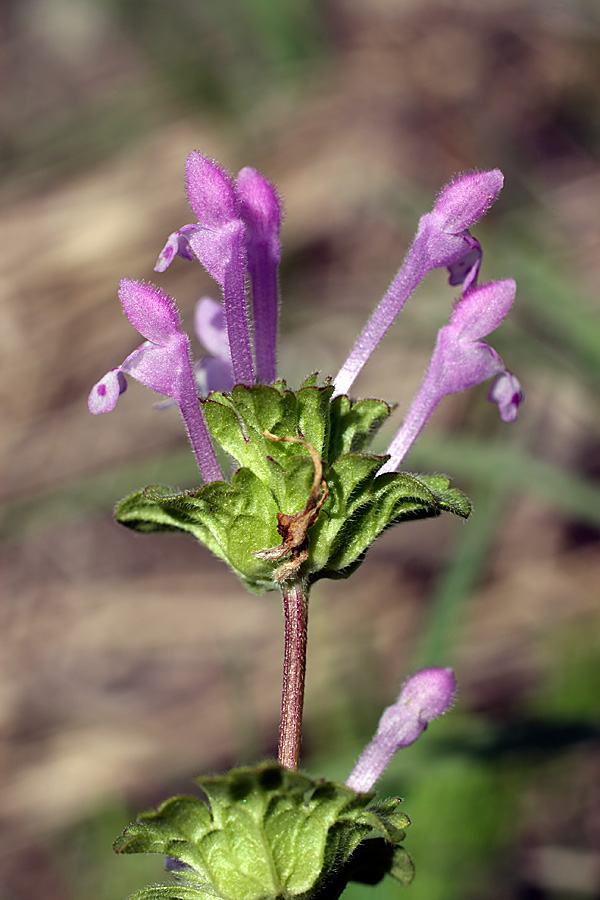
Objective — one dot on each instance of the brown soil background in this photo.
(129, 663)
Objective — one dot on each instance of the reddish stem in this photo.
(295, 608)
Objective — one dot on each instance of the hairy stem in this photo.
(295, 608)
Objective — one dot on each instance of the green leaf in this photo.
(349, 481)
(242, 441)
(403, 868)
(173, 892)
(238, 422)
(448, 499)
(265, 833)
(275, 482)
(314, 405)
(353, 425)
(385, 817)
(297, 479)
(233, 520)
(313, 381)
(363, 504)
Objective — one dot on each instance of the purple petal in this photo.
(165, 369)
(162, 363)
(104, 395)
(431, 691)
(466, 269)
(459, 366)
(176, 865)
(211, 328)
(223, 254)
(152, 312)
(506, 391)
(177, 244)
(424, 697)
(480, 311)
(466, 199)
(213, 374)
(211, 192)
(219, 243)
(220, 251)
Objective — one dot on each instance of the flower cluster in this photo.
(236, 239)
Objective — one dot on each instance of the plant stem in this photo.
(295, 609)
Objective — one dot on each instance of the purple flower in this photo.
(161, 363)
(176, 865)
(213, 371)
(423, 698)
(177, 244)
(237, 234)
(462, 360)
(506, 392)
(442, 240)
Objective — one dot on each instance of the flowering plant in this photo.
(305, 500)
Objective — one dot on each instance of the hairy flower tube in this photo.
(424, 697)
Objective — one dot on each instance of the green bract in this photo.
(270, 834)
(237, 521)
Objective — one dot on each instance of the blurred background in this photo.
(130, 663)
